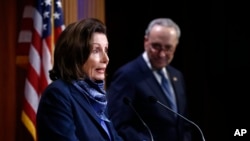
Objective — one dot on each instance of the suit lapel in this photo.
(177, 86)
(150, 82)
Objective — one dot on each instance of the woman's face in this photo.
(96, 64)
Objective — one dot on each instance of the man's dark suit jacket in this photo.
(137, 82)
(65, 115)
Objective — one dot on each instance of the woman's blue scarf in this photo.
(96, 95)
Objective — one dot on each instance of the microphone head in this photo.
(126, 100)
(152, 99)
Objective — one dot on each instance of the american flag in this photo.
(47, 24)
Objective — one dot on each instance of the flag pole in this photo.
(52, 31)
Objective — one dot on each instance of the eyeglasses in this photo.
(158, 48)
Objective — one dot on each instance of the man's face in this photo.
(160, 46)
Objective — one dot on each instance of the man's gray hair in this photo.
(163, 22)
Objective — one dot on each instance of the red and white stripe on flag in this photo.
(39, 36)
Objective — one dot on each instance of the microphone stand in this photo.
(153, 99)
(128, 102)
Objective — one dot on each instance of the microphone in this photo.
(127, 101)
(152, 99)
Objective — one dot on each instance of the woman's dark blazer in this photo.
(64, 114)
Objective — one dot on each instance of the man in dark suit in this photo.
(134, 115)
